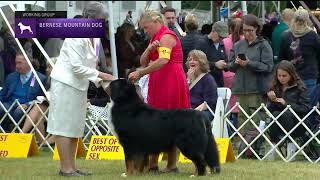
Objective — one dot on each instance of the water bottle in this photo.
(262, 125)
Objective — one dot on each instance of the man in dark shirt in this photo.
(181, 21)
(170, 15)
(213, 47)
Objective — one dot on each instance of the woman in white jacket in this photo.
(75, 67)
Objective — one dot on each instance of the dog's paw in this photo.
(215, 170)
(124, 175)
(192, 176)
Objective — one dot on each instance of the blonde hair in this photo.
(287, 14)
(152, 15)
(191, 22)
(300, 23)
(301, 17)
(93, 9)
(201, 57)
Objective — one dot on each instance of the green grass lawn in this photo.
(43, 167)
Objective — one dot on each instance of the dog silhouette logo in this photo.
(24, 27)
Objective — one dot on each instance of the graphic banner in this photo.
(54, 24)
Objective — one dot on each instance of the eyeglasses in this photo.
(248, 30)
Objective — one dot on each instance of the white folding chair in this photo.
(225, 94)
(219, 125)
(98, 118)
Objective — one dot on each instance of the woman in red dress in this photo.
(162, 60)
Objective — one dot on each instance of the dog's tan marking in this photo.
(129, 167)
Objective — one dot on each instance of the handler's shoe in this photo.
(154, 169)
(166, 170)
(70, 174)
(83, 173)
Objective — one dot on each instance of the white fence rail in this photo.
(97, 124)
(304, 143)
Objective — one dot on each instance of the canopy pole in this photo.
(112, 42)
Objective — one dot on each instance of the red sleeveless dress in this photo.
(168, 87)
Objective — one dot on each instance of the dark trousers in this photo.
(287, 121)
(16, 113)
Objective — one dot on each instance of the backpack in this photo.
(313, 148)
(249, 136)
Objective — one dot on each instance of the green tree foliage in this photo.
(203, 5)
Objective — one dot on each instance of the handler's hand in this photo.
(106, 76)
(134, 76)
(153, 45)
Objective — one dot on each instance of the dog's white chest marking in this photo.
(110, 123)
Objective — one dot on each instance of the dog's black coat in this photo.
(143, 130)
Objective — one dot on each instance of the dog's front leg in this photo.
(129, 163)
(141, 163)
(146, 162)
(129, 167)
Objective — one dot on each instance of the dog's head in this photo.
(121, 90)
(19, 24)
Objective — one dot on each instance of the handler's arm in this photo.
(144, 59)
(167, 42)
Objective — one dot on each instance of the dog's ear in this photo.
(130, 88)
(122, 89)
(131, 84)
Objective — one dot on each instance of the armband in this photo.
(164, 52)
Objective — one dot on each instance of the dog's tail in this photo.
(212, 154)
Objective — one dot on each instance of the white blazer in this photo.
(76, 64)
